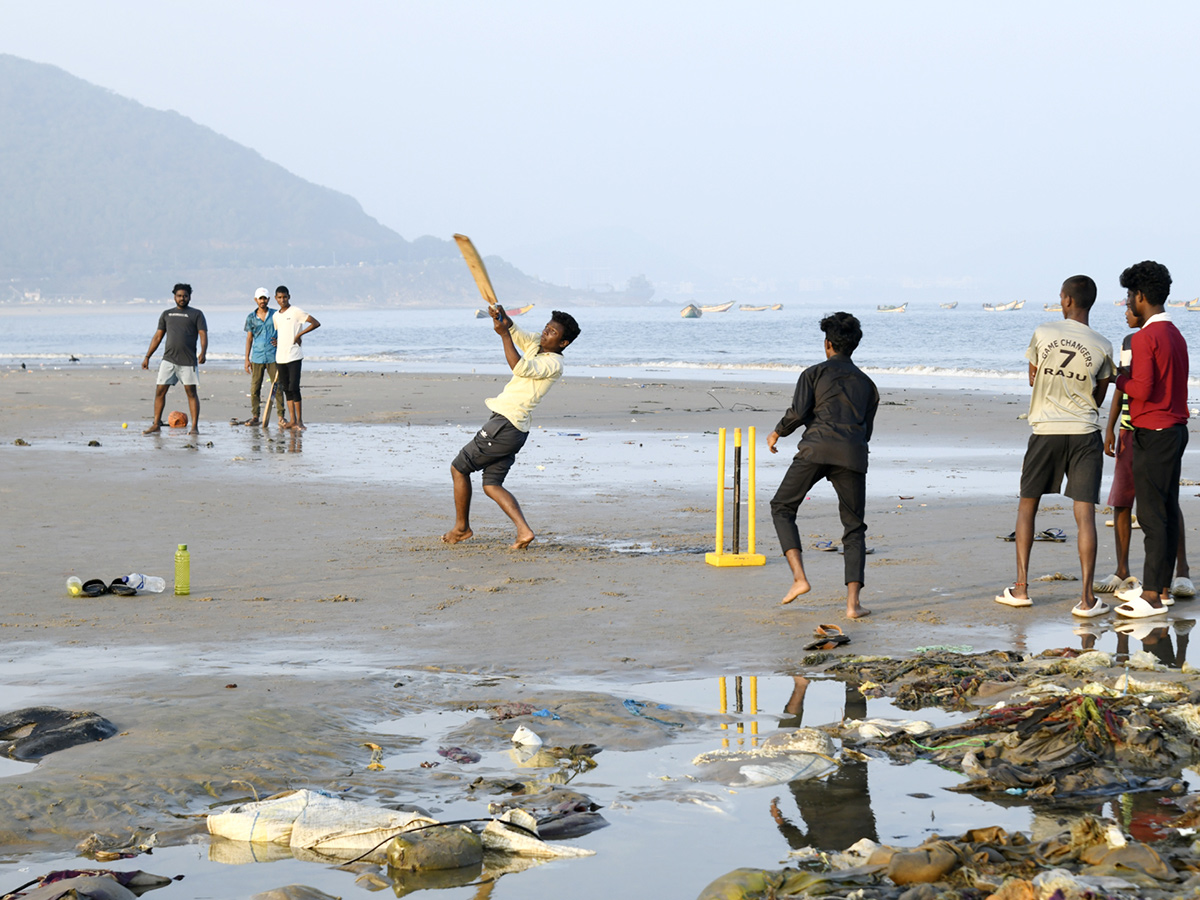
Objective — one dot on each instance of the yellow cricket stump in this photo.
(719, 557)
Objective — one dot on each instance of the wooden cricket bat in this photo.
(475, 264)
(267, 409)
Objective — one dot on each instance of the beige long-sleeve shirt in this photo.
(532, 377)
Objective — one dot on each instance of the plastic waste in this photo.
(523, 737)
(74, 586)
(183, 571)
(151, 583)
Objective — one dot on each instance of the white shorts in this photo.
(169, 373)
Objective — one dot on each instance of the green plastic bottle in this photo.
(183, 571)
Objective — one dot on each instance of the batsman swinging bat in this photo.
(475, 264)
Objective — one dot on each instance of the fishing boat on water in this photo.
(691, 311)
(1052, 307)
(720, 307)
(519, 311)
(1192, 305)
(953, 305)
(1004, 307)
(900, 307)
(745, 307)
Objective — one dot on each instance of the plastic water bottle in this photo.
(183, 571)
(151, 583)
(74, 586)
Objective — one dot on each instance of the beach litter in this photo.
(799, 755)
(1090, 859)
(35, 731)
(89, 884)
(1096, 740)
(317, 825)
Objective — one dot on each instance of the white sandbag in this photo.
(267, 821)
(313, 820)
(498, 837)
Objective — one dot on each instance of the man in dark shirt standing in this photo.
(180, 365)
(1156, 384)
(836, 404)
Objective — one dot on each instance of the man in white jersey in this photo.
(1070, 367)
(536, 363)
(291, 324)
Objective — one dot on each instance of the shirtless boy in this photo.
(536, 362)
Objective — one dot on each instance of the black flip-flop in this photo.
(828, 637)
(94, 587)
(1057, 535)
(121, 589)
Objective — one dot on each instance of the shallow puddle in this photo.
(669, 834)
(553, 459)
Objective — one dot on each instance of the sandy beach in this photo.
(354, 507)
(319, 582)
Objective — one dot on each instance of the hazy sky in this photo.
(1002, 145)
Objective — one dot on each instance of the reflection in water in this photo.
(1154, 636)
(837, 810)
(289, 441)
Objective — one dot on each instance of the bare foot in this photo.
(454, 536)
(522, 542)
(194, 431)
(283, 423)
(157, 426)
(856, 612)
(799, 586)
(300, 427)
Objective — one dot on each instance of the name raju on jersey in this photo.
(1066, 351)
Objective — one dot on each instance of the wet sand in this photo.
(280, 527)
(320, 553)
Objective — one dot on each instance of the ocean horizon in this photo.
(927, 346)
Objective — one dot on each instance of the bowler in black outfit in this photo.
(836, 403)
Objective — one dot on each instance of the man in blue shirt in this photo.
(260, 357)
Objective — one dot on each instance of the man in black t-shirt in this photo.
(836, 403)
(182, 327)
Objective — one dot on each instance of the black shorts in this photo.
(1080, 457)
(493, 449)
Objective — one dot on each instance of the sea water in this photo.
(925, 346)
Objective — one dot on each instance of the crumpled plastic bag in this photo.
(802, 754)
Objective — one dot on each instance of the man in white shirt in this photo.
(536, 363)
(1070, 366)
(291, 324)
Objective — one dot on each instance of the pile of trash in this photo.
(1090, 860)
(1066, 746)
(944, 678)
(1070, 727)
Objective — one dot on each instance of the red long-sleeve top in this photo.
(1157, 383)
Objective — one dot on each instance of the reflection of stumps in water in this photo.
(723, 689)
(735, 558)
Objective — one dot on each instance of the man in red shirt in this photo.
(1156, 383)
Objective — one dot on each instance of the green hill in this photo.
(106, 198)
